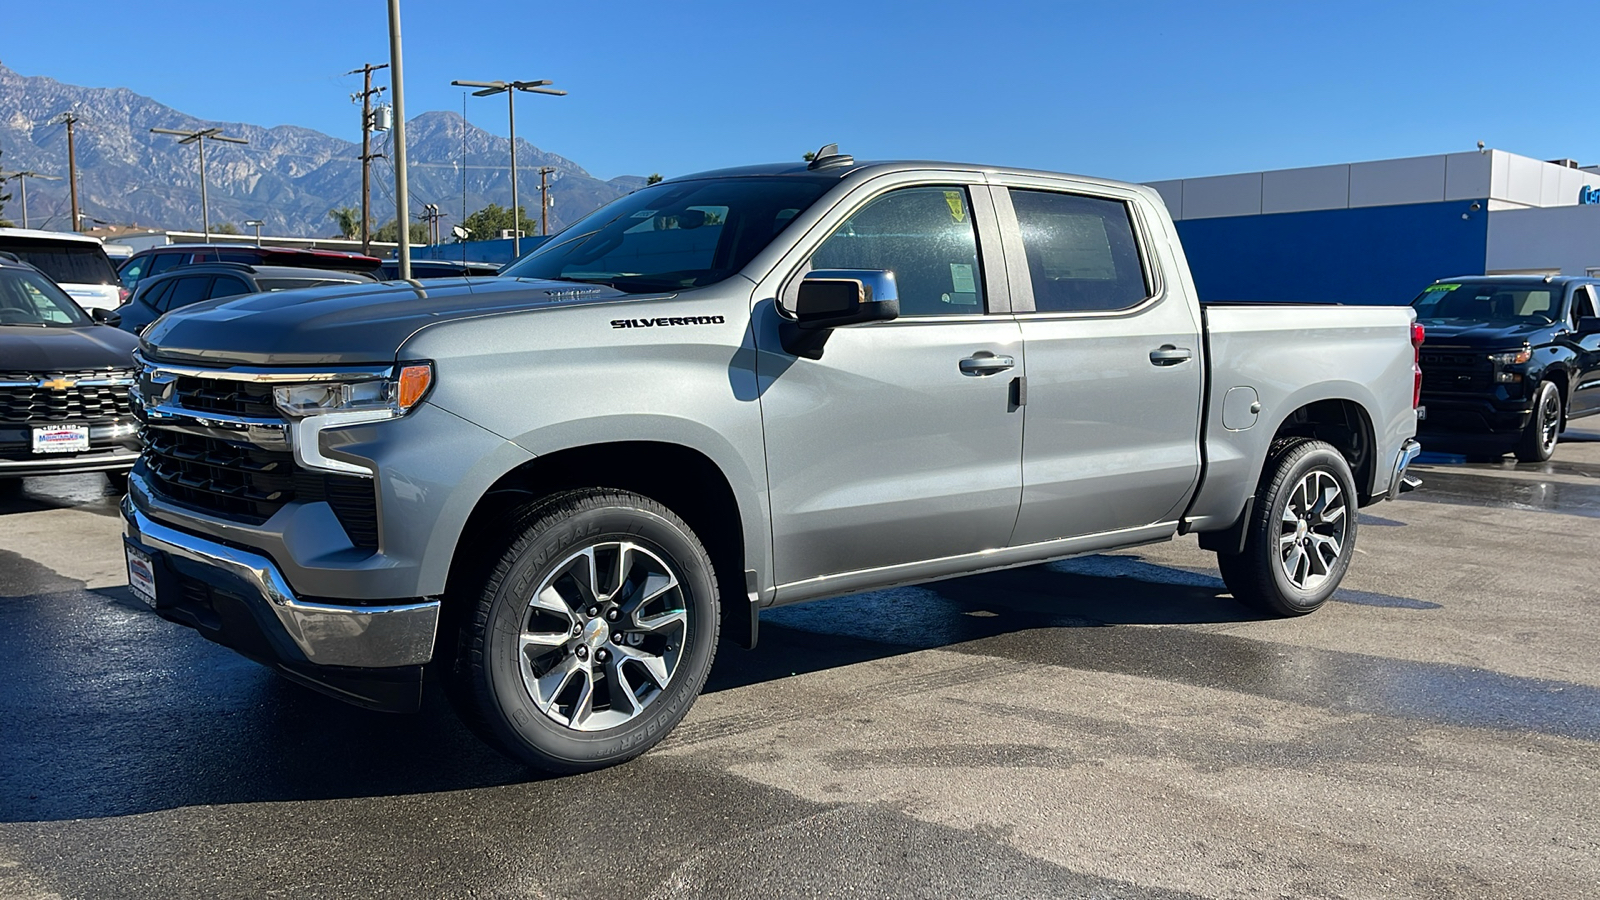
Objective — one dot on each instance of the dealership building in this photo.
(1378, 232)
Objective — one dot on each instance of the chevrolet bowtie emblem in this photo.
(57, 384)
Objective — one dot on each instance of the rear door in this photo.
(1114, 364)
(1585, 388)
(884, 452)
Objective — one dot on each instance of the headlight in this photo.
(1511, 357)
(394, 396)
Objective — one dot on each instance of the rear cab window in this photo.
(1082, 252)
(63, 261)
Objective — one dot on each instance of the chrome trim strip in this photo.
(271, 376)
(366, 636)
(84, 382)
(271, 434)
(1409, 451)
(65, 461)
(307, 439)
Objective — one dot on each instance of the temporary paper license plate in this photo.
(141, 576)
(61, 439)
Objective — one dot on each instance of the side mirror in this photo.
(1588, 325)
(106, 316)
(829, 298)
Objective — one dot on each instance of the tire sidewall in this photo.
(1320, 457)
(520, 723)
(1540, 421)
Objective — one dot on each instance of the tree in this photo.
(808, 156)
(387, 232)
(487, 223)
(655, 178)
(348, 218)
(225, 228)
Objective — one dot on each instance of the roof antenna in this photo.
(828, 156)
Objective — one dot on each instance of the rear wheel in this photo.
(593, 634)
(1544, 425)
(118, 481)
(1301, 534)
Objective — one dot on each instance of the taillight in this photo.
(1417, 334)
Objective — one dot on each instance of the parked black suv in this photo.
(64, 381)
(156, 260)
(1507, 361)
(204, 281)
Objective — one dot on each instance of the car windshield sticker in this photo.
(958, 209)
(1441, 287)
(961, 280)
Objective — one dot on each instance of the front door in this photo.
(1114, 366)
(1585, 387)
(885, 451)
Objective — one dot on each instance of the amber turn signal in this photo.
(414, 382)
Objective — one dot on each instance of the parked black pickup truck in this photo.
(1507, 361)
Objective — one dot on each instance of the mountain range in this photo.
(287, 176)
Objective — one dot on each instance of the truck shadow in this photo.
(163, 719)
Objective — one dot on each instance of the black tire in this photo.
(1538, 441)
(118, 481)
(496, 679)
(1258, 577)
(10, 487)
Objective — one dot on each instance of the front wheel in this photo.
(1539, 437)
(1301, 533)
(593, 634)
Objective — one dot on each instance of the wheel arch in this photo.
(679, 477)
(1346, 425)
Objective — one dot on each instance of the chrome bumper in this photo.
(328, 635)
(1399, 481)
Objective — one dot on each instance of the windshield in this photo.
(28, 298)
(1489, 301)
(675, 235)
(68, 262)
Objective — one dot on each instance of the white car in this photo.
(76, 262)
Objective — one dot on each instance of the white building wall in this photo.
(1562, 240)
(1507, 180)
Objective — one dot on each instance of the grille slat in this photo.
(1445, 371)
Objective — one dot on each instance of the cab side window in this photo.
(925, 236)
(229, 286)
(1082, 255)
(156, 297)
(1582, 303)
(160, 262)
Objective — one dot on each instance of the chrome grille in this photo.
(85, 395)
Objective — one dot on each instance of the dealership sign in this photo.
(1589, 196)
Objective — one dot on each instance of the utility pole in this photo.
(22, 181)
(544, 200)
(199, 138)
(70, 120)
(367, 92)
(402, 197)
(510, 88)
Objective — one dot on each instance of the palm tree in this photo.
(348, 218)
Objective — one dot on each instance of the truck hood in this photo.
(1477, 333)
(35, 349)
(347, 324)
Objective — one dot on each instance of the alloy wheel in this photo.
(1312, 532)
(603, 635)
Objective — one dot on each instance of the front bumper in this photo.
(241, 599)
(113, 447)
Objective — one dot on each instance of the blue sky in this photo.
(1138, 91)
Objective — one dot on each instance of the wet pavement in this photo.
(1110, 726)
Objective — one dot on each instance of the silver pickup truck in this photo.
(552, 489)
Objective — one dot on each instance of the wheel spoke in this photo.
(622, 696)
(656, 623)
(543, 639)
(583, 707)
(654, 665)
(551, 684)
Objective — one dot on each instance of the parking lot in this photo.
(1113, 726)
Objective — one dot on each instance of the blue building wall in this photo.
(1366, 255)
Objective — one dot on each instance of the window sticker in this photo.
(958, 206)
(961, 280)
(1440, 287)
(643, 214)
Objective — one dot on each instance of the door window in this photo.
(187, 290)
(1582, 303)
(160, 262)
(133, 271)
(1081, 251)
(925, 236)
(156, 297)
(229, 286)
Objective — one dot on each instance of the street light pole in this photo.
(489, 89)
(199, 138)
(256, 223)
(402, 205)
(22, 182)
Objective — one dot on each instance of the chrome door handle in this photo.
(1168, 355)
(986, 364)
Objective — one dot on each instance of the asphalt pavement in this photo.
(1113, 726)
